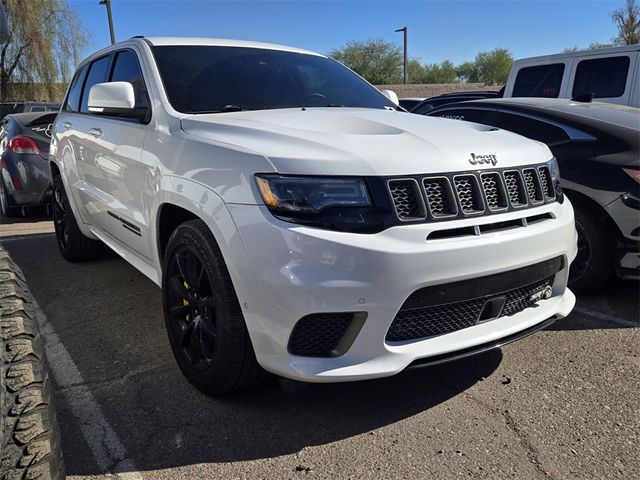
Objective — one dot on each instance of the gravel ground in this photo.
(562, 404)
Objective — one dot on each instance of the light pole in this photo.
(405, 70)
(108, 4)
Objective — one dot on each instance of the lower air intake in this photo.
(325, 334)
(414, 323)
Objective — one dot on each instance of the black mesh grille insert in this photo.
(433, 320)
(440, 197)
(494, 191)
(515, 189)
(546, 182)
(318, 334)
(407, 199)
(532, 185)
(468, 194)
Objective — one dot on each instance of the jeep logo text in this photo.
(480, 159)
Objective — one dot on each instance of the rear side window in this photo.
(604, 77)
(127, 69)
(97, 74)
(539, 81)
(75, 91)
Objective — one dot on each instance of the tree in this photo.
(444, 72)
(377, 61)
(45, 41)
(627, 19)
(491, 68)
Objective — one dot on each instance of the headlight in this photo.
(311, 195)
(345, 204)
(554, 170)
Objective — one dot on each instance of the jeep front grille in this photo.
(460, 195)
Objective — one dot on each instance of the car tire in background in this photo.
(72, 243)
(30, 437)
(594, 263)
(204, 320)
(5, 205)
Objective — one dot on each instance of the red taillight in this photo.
(24, 145)
(633, 173)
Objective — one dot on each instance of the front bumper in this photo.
(300, 271)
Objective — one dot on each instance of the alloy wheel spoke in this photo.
(209, 329)
(196, 347)
(185, 335)
(209, 302)
(178, 286)
(180, 311)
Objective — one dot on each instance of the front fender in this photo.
(207, 205)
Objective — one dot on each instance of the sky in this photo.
(438, 30)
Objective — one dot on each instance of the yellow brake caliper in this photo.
(184, 300)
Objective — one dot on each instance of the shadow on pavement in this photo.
(32, 215)
(615, 305)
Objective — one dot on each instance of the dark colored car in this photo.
(597, 146)
(8, 108)
(24, 164)
(409, 103)
(455, 97)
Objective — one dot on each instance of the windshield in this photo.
(206, 79)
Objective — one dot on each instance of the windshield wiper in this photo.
(226, 108)
(337, 105)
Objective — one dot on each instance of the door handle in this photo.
(96, 132)
(66, 124)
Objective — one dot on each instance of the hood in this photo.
(351, 141)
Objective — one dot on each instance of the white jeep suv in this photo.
(297, 222)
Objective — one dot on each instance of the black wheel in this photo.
(204, 321)
(7, 209)
(593, 264)
(30, 438)
(72, 243)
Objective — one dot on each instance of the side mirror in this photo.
(4, 26)
(113, 98)
(391, 95)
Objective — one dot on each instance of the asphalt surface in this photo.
(562, 404)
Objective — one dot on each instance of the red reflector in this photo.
(23, 145)
(16, 183)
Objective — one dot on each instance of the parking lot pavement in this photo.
(561, 404)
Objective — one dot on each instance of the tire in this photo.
(594, 264)
(7, 209)
(72, 243)
(30, 446)
(203, 317)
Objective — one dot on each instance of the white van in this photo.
(611, 74)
